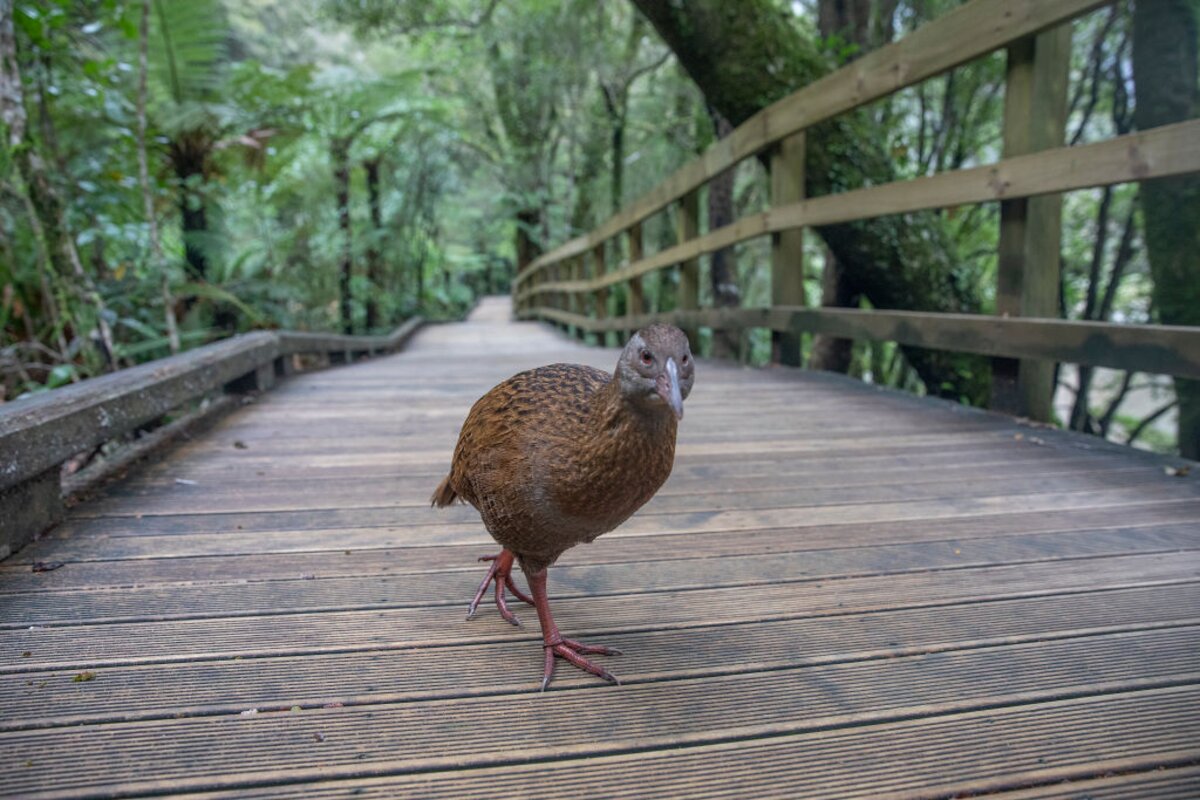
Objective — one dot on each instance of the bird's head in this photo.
(656, 369)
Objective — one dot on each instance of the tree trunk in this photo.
(189, 158)
(156, 252)
(339, 154)
(529, 221)
(746, 55)
(374, 261)
(723, 271)
(48, 206)
(851, 20)
(1166, 75)
(829, 353)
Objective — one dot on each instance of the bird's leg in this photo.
(554, 642)
(499, 572)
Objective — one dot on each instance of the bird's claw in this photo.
(573, 652)
(499, 573)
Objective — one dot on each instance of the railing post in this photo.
(533, 280)
(554, 300)
(601, 296)
(29, 508)
(635, 302)
(1028, 274)
(687, 228)
(787, 247)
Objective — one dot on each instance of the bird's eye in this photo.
(647, 359)
(685, 359)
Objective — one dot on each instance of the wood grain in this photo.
(839, 586)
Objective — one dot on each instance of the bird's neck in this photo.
(615, 415)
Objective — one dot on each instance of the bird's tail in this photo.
(444, 495)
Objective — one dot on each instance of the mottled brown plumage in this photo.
(561, 454)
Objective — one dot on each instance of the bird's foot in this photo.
(574, 653)
(499, 573)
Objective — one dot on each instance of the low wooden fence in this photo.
(39, 433)
(571, 284)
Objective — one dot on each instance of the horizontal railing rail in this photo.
(1164, 349)
(41, 432)
(962, 35)
(572, 284)
(1157, 153)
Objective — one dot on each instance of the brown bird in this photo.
(561, 454)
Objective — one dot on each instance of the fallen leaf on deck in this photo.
(1177, 472)
(84, 676)
(26, 654)
(46, 566)
(240, 445)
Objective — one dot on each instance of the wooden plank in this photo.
(123, 562)
(432, 587)
(1164, 151)
(958, 36)
(111, 643)
(369, 542)
(481, 732)
(1162, 783)
(381, 499)
(1163, 349)
(961, 755)
(1144, 617)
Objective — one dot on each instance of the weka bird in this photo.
(561, 454)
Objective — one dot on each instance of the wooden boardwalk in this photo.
(841, 592)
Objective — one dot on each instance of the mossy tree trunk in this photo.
(374, 259)
(1166, 76)
(339, 155)
(47, 204)
(746, 55)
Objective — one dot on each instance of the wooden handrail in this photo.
(961, 35)
(1166, 349)
(1161, 152)
(39, 433)
(1037, 42)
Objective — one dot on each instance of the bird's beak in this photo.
(668, 388)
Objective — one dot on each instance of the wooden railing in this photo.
(39, 433)
(1036, 34)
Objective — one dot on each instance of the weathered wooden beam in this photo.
(1159, 152)
(787, 247)
(1029, 268)
(28, 508)
(958, 36)
(1159, 349)
(600, 297)
(687, 228)
(43, 431)
(635, 300)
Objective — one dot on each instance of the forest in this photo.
(179, 171)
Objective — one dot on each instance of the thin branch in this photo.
(1140, 428)
(1123, 257)
(1106, 418)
